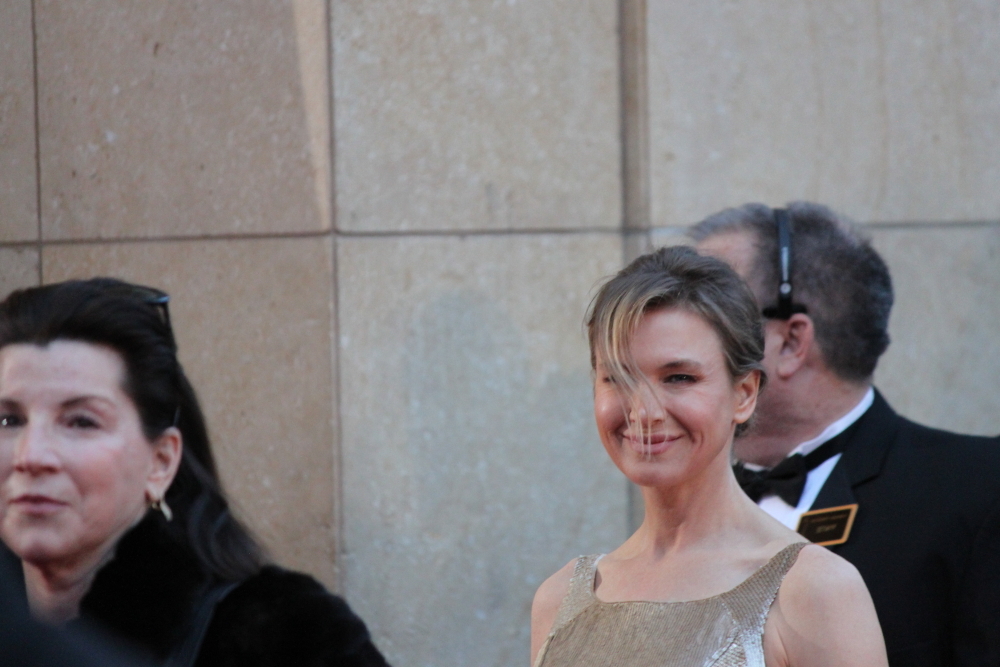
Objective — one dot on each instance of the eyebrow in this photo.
(86, 398)
(71, 403)
(680, 363)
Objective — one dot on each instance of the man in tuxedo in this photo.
(919, 508)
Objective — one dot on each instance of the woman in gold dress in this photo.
(708, 578)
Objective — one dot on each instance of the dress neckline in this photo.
(796, 546)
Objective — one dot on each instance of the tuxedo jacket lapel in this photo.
(863, 457)
(836, 491)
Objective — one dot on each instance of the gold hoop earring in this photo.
(162, 506)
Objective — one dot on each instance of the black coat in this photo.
(926, 538)
(276, 618)
(26, 643)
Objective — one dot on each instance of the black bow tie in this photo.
(787, 479)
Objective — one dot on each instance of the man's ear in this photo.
(167, 450)
(798, 338)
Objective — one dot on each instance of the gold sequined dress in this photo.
(721, 631)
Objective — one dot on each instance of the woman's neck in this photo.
(55, 591)
(714, 509)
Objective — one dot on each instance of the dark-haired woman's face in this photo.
(76, 470)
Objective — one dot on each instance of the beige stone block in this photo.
(880, 111)
(942, 97)
(764, 101)
(942, 367)
(471, 466)
(183, 118)
(476, 115)
(253, 322)
(18, 268)
(18, 185)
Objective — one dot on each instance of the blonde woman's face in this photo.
(74, 460)
(680, 420)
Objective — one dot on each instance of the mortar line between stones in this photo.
(914, 224)
(335, 379)
(543, 231)
(634, 114)
(38, 145)
(901, 224)
(318, 235)
(338, 428)
(579, 231)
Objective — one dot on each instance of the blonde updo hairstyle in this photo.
(675, 277)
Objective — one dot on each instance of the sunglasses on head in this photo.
(785, 307)
(158, 299)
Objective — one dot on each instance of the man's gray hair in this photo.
(836, 274)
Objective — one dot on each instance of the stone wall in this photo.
(381, 222)
(886, 111)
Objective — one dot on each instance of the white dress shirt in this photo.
(784, 512)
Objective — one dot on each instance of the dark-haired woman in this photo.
(110, 497)
(708, 578)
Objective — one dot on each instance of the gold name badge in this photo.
(828, 526)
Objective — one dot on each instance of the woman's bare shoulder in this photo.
(823, 615)
(550, 594)
(819, 571)
(545, 606)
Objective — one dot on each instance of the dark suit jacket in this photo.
(926, 538)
